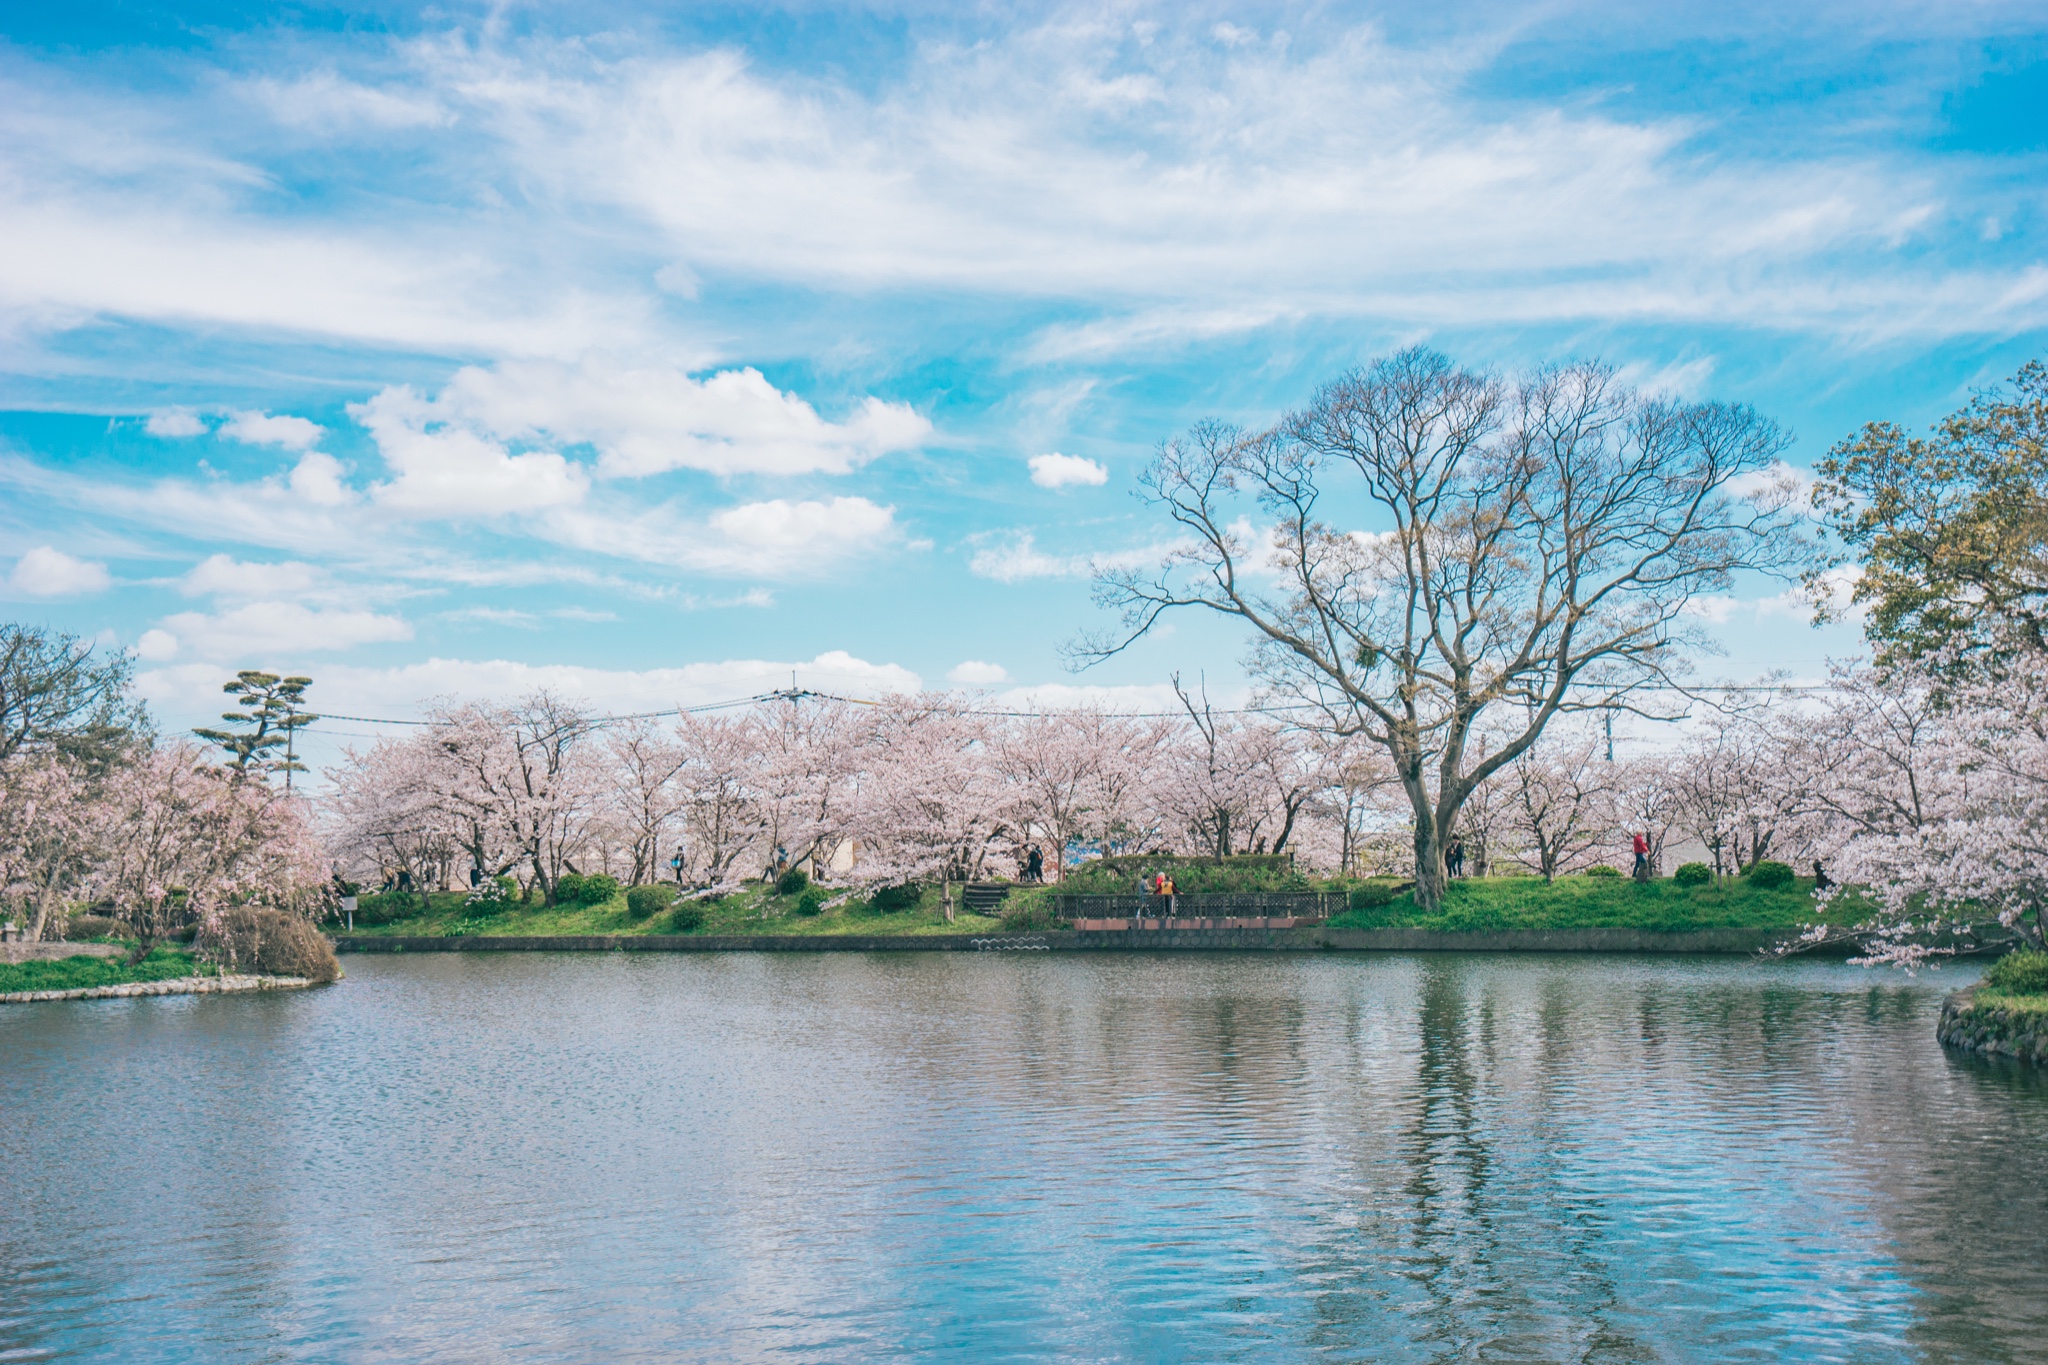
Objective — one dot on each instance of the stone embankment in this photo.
(1221, 937)
(185, 985)
(1993, 1028)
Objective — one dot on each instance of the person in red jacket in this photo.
(1642, 845)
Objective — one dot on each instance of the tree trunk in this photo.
(1429, 866)
(41, 918)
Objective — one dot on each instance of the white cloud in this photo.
(224, 576)
(174, 423)
(1011, 557)
(261, 429)
(1833, 591)
(1054, 160)
(189, 693)
(317, 479)
(1058, 471)
(1779, 486)
(48, 572)
(583, 614)
(446, 470)
(1014, 558)
(975, 673)
(270, 631)
(647, 421)
(497, 616)
(325, 101)
(155, 646)
(775, 538)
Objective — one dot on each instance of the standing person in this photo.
(1642, 848)
(679, 862)
(1034, 866)
(1454, 857)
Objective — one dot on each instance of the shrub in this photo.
(489, 897)
(1239, 873)
(892, 900)
(85, 927)
(1377, 895)
(643, 901)
(1693, 874)
(1603, 870)
(1770, 876)
(1023, 914)
(269, 943)
(791, 882)
(383, 909)
(2021, 973)
(810, 902)
(688, 916)
(573, 888)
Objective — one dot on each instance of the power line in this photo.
(793, 694)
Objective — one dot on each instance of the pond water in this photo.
(999, 1156)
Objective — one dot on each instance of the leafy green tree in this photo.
(1951, 529)
(270, 720)
(59, 694)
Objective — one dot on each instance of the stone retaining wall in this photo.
(1234, 939)
(184, 985)
(697, 943)
(1991, 1030)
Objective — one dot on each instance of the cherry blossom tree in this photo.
(1562, 800)
(723, 776)
(1646, 797)
(183, 840)
(928, 803)
(49, 836)
(645, 791)
(1938, 806)
(1072, 775)
(519, 783)
(388, 808)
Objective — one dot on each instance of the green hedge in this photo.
(2021, 973)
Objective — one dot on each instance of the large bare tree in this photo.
(1537, 544)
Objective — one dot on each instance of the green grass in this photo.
(1992, 998)
(75, 973)
(1473, 904)
(1478, 904)
(756, 910)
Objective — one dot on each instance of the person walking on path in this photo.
(1642, 848)
(1454, 858)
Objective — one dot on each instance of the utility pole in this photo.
(1610, 735)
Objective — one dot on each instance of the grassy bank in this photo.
(756, 910)
(1478, 904)
(77, 973)
(2017, 982)
(1470, 905)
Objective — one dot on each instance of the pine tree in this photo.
(270, 721)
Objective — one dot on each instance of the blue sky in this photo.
(652, 353)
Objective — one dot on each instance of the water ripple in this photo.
(1021, 1157)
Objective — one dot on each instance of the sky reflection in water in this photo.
(997, 1157)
